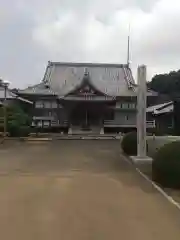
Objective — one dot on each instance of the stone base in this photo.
(140, 160)
(70, 131)
(102, 131)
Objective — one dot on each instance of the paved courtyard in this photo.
(78, 190)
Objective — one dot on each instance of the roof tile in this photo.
(115, 78)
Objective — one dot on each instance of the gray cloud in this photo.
(33, 32)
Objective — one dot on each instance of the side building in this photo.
(163, 114)
(85, 96)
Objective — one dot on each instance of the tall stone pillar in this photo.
(141, 118)
(141, 114)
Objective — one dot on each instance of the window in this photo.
(47, 104)
(126, 117)
(131, 105)
(50, 104)
(125, 105)
(134, 105)
(40, 124)
(46, 123)
(39, 104)
(54, 104)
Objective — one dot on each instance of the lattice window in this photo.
(54, 104)
(46, 123)
(125, 105)
(47, 104)
(126, 117)
(39, 104)
(40, 124)
(132, 105)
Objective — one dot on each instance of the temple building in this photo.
(85, 97)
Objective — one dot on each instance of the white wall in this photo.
(125, 117)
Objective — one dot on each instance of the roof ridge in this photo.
(127, 78)
(29, 87)
(93, 64)
(165, 105)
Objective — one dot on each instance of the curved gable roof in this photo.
(110, 79)
(63, 78)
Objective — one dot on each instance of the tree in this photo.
(166, 83)
(18, 122)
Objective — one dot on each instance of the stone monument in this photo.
(141, 117)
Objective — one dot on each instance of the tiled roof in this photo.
(166, 109)
(39, 89)
(63, 78)
(160, 108)
(111, 79)
(10, 95)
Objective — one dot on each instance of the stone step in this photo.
(80, 131)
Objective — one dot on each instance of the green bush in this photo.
(129, 143)
(24, 131)
(18, 122)
(166, 165)
(14, 129)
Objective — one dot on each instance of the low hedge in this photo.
(166, 165)
(129, 144)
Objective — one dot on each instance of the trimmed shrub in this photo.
(14, 129)
(166, 165)
(18, 122)
(129, 143)
(24, 131)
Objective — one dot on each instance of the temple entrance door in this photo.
(87, 114)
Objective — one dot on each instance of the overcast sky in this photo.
(32, 32)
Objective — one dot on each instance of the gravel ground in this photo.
(78, 190)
